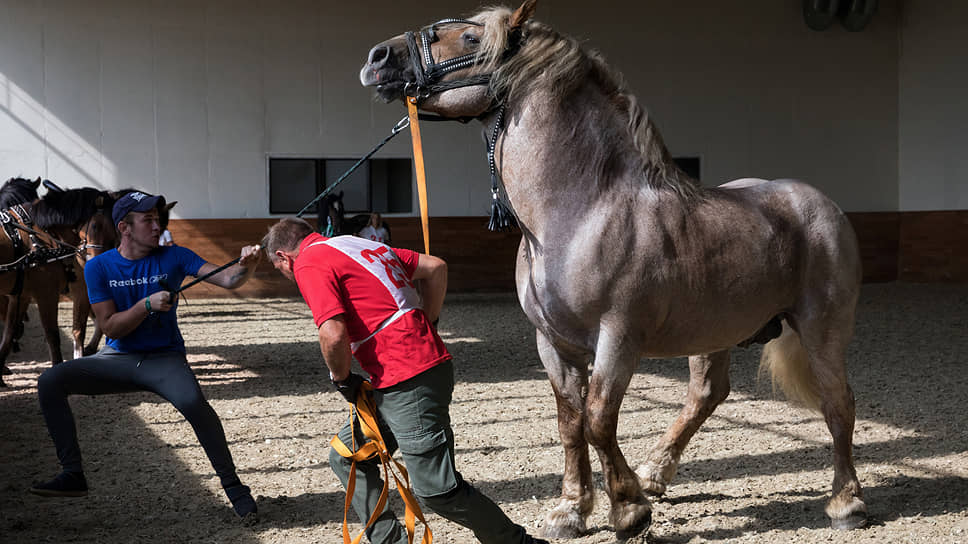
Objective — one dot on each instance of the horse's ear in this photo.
(36, 183)
(170, 205)
(523, 13)
(341, 195)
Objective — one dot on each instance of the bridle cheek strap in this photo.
(428, 74)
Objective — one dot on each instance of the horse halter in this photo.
(428, 83)
(103, 207)
(85, 235)
(429, 73)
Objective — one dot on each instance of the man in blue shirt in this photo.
(145, 350)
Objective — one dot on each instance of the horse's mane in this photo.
(17, 191)
(558, 65)
(71, 207)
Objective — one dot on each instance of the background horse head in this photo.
(76, 221)
(333, 220)
(18, 191)
(332, 217)
(660, 268)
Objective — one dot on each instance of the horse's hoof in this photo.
(853, 521)
(563, 522)
(652, 487)
(633, 531)
(631, 518)
(563, 532)
(654, 478)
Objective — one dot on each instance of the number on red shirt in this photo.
(395, 270)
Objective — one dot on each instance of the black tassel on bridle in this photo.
(502, 218)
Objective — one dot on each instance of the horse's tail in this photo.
(789, 367)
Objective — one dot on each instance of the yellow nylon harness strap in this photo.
(419, 167)
(365, 412)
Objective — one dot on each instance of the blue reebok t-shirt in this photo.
(110, 276)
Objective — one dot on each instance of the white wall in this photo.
(933, 105)
(188, 97)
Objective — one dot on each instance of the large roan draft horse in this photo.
(43, 248)
(660, 268)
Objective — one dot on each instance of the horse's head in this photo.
(332, 214)
(18, 191)
(79, 217)
(99, 234)
(447, 65)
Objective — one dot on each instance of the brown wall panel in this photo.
(877, 236)
(907, 246)
(478, 260)
(934, 247)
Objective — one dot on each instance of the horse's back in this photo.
(830, 245)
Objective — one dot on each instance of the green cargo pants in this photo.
(415, 417)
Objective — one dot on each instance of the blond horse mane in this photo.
(559, 65)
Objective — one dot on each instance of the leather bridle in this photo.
(428, 73)
(428, 82)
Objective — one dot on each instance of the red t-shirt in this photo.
(370, 284)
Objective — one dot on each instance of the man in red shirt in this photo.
(366, 303)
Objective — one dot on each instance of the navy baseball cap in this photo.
(135, 202)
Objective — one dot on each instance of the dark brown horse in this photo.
(42, 254)
(333, 220)
(660, 268)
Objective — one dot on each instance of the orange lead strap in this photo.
(365, 413)
(419, 166)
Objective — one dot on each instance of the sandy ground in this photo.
(759, 470)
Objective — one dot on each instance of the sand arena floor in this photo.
(758, 471)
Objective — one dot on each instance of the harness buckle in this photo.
(401, 124)
(414, 89)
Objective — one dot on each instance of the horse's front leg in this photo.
(96, 335)
(708, 387)
(82, 308)
(47, 308)
(569, 380)
(11, 316)
(615, 360)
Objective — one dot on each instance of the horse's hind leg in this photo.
(569, 380)
(708, 387)
(825, 343)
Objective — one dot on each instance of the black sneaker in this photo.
(534, 540)
(242, 501)
(65, 484)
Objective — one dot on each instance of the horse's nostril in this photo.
(379, 55)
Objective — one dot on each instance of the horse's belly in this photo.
(694, 329)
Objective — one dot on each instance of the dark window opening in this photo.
(689, 165)
(378, 185)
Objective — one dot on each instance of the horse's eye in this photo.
(471, 39)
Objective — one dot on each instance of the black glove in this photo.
(349, 387)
